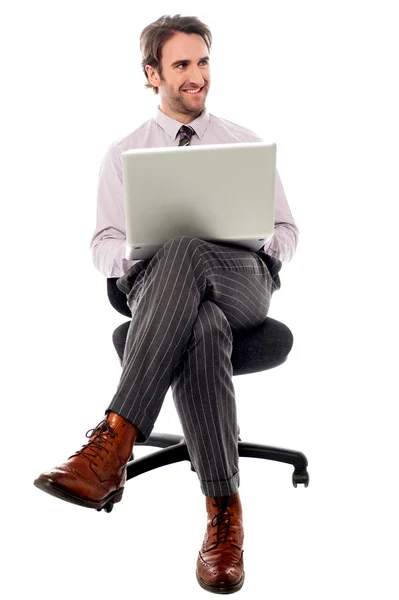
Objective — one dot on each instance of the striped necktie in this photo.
(186, 133)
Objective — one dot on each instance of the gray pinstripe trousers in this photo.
(186, 302)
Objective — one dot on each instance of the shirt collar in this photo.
(171, 126)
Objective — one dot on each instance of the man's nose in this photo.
(195, 76)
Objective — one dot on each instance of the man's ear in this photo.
(152, 75)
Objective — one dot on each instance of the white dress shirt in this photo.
(108, 243)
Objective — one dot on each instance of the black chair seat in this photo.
(257, 349)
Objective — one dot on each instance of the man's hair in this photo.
(155, 35)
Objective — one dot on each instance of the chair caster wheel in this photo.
(107, 507)
(301, 476)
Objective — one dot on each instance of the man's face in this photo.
(184, 66)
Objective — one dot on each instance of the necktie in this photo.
(186, 133)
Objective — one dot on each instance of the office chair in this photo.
(255, 350)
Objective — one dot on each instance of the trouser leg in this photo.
(203, 393)
(165, 300)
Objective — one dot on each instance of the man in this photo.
(186, 302)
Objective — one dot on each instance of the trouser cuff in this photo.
(143, 422)
(221, 488)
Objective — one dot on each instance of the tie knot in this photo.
(185, 133)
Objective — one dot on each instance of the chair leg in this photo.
(293, 457)
(160, 440)
(165, 456)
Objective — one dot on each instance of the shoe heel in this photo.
(118, 496)
(110, 504)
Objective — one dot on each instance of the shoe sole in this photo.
(221, 590)
(106, 503)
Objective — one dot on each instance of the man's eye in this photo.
(184, 64)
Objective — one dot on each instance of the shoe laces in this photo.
(222, 520)
(101, 436)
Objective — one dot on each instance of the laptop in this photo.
(220, 193)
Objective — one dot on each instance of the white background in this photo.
(317, 77)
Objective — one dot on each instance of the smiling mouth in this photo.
(194, 93)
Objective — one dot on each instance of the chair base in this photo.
(174, 449)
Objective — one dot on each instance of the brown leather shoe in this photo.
(96, 474)
(220, 564)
